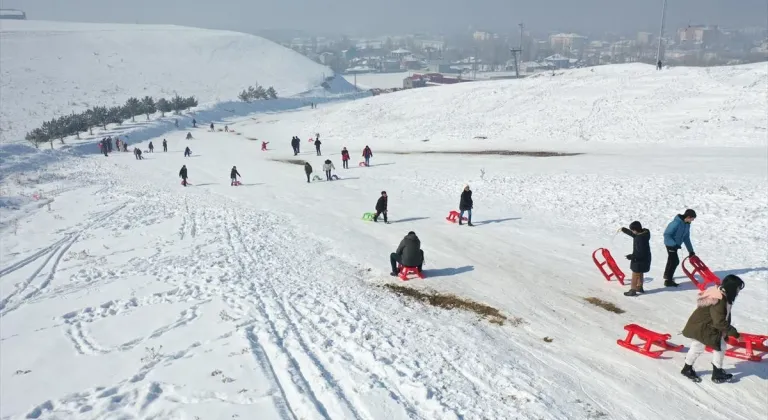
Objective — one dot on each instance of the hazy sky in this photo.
(388, 16)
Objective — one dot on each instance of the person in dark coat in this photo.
(317, 145)
(677, 233)
(165, 145)
(345, 158)
(307, 170)
(408, 253)
(709, 325)
(125, 146)
(137, 153)
(295, 145)
(640, 258)
(381, 207)
(465, 204)
(187, 152)
(151, 148)
(233, 174)
(212, 129)
(183, 175)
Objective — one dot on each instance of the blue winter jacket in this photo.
(678, 233)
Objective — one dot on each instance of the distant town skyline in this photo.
(366, 17)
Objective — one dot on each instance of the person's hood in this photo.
(709, 297)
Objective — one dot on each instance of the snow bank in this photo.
(52, 68)
(622, 104)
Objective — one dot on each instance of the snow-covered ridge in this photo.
(52, 68)
(633, 103)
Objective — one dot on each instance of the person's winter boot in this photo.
(630, 292)
(670, 283)
(640, 289)
(394, 274)
(460, 222)
(719, 376)
(689, 373)
(470, 224)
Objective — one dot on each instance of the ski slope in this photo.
(52, 68)
(144, 299)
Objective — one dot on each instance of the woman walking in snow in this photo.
(465, 204)
(709, 325)
(345, 158)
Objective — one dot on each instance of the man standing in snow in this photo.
(307, 170)
(317, 145)
(465, 204)
(212, 129)
(151, 148)
(640, 257)
(381, 207)
(677, 233)
(367, 155)
(345, 158)
(295, 145)
(233, 174)
(165, 145)
(183, 175)
(408, 254)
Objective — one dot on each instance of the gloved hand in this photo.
(630, 256)
(691, 254)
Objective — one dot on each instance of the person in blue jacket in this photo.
(677, 233)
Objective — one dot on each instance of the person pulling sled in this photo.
(233, 174)
(367, 155)
(381, 207)
(183, 175)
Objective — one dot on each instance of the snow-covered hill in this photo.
(125, 295)
(52, 68)
(609, 105)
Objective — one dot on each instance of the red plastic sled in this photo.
(650, 338)
(182, 182)
(611, 263)
(237, 183)
(750, 343)
(707, 276)
(311, 140)
(405, 271)
(453, 217)
(362, 164)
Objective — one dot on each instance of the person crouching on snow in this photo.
(709, 325)
(328, 167)
(640, 258)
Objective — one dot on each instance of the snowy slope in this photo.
(265, 298)
(51, 68)
(609, 104)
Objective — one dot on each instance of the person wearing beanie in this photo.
(677, 233)
(709, 325)
(465, 204)
(640, 258)
(408, 254)
(381, 207)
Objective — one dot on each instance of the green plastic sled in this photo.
(368, 216)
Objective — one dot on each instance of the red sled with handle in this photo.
(695, 266)
(750, 343)
(608, 267)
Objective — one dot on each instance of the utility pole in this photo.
(661, 34)
(516, 51)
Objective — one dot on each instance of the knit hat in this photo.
(731, 286)
(635, 226)
(689, 213)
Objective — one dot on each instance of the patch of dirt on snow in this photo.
(608, 306)
(449, 302)
(291, 161)
(489, 152)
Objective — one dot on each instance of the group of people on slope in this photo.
(677, 234)
(710, 323)
(328, 165)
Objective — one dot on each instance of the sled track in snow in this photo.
(55, 252)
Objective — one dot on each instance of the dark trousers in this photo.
(295, 150)
(151, 150)
(307, 176)
(376, 216)
(328, 175)
(184, 181)
(395, 259)
(672, 262)
(165, 148)
(345, 164)
(318, 150)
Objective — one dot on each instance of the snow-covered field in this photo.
(52, 68)
(125, 295)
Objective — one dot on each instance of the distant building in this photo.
(698, 34)
(12, 14)
(567, 42)
(484, 36)
(644, 38)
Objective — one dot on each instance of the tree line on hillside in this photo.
(257, 93)
(100, 116)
